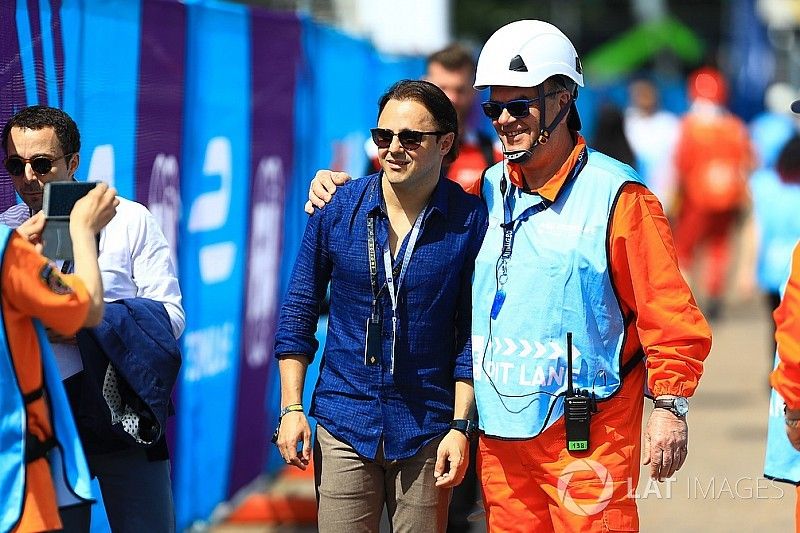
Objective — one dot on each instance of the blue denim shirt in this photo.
(362, 404)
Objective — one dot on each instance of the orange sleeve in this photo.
(664, 319)
(786, 377)
(475, 187)
(35, 287)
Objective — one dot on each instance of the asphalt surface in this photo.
(721, 486)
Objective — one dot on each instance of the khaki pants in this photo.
(352, 490)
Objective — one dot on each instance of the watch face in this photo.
(681, 406)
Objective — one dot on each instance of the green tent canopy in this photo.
(634, 48)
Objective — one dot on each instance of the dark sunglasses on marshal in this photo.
(15, 165)
(516, 108)
(409, 139)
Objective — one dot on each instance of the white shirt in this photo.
(134, 260)
(653, 139)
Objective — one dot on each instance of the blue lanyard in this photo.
(389, 272)
(387, 261)
(509, 224)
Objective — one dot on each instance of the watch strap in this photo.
(670, 404)
(465, 426)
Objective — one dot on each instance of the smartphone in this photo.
(57, 203)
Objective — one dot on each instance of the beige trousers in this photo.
(352, 490)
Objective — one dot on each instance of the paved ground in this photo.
(720, 488)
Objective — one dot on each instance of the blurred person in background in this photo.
(652, 133)
(713, 160)
(783, 439)
(576, 244)
(773, 227)
(452, 69)
(609, 135)
(771, 129)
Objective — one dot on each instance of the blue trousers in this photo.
(137, 494)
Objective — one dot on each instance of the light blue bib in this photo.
(782, 461)
(555, 281)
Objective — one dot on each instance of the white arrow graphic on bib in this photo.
(557, 350)
(526, 348)
(540, 349)
(511, 347)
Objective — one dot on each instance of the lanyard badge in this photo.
(372, 344)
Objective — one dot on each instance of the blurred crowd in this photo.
(729, 188)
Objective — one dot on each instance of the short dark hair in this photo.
(453, 57)
(37, 117)
(434, 100)
(559, 82)
(788, 165)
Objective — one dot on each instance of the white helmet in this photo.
(524, 54)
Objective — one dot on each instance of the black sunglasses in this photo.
(409, 139)
(516, 108)
(15, 165)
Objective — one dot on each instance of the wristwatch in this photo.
(678, 405)
(468, 427)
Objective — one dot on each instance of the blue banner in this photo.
(12, 84)
(214, 192)
(277, 37)
(106, 91)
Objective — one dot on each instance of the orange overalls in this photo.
(786, 377)
(525, 484)
(713, 159)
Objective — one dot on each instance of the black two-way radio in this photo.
(577, 409)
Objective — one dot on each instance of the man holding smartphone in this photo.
(42, 145)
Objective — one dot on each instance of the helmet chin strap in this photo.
(521, 156)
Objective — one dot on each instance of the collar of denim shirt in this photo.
(438, 202)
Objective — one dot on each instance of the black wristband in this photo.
(467, 427)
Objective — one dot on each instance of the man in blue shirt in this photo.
(394, 399)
